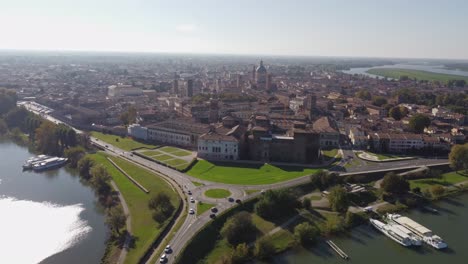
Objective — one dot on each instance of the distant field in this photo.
(169, 156)
(125, 143)
(247, 174)
(412, 74)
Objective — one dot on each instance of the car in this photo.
(191, 211)
(230, 199)
(163, 258)
(212, 215)
(106, 146)
(189, 192)
(214, 209)
(168, 249)
(262, 191)
(238, 201)
(192, 200)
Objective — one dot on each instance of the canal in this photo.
(366, 245)
(48, 217)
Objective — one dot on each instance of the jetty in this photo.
(338, 250)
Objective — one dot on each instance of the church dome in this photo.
(261, 68)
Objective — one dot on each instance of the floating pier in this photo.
(338, 250)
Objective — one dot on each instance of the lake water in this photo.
(420, 67)
(365, 245)
(47, 217)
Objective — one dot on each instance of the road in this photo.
(183, 183)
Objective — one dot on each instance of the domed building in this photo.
(261, 76)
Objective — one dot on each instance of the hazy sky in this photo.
(374, 28)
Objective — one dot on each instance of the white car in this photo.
(168, 249)
(192, 200)
(191, 211)
(163, 258)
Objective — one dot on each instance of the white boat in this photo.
(28, 164)
(392, 232)
(415, 240)
(420, 231)
(49, 163)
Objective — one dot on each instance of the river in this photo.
(420, 67)
(365, 245)
(48, 217)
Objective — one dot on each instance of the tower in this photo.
(261, 76)
(189, 88)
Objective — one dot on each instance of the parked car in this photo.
(191, 211)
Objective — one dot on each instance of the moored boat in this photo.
(392, 232)
(49, 163)
(28, 164)
(420, 231)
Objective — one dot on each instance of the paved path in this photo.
(128, 223)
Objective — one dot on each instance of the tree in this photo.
(3, 127)
(338, 199)
(458, 157)
(239, 228)
(276, 203)
(116, 219)
(84, 166)
(395, 112)
(162, 206)
(264, 249)
(352, 219)
(8, 100)
(379, 100)
(306, 203)
(46, 139)
(241, 254)
(16, 117)
(418, 122)
(395, 184)
(306, 233)
(129, 116)
(100, 179)
(437, 191)
(324, 179)
(363, 94)
(74, 155)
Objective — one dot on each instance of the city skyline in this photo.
(419, 29)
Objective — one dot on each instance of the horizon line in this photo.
(225, 54)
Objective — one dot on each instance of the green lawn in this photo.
(246, 174)
(203, 207)
(217, 193)
(251, 191)
(412, 74)
(144, 228)
(197, 183)
(151, 152)
(329, 154)
(161, 157)
(180, 153)
(123, 143)
(447, 179)
(384, 156)
(175, 162)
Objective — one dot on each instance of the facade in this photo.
(300, 145)
(261, 76)
(137, 131)
(403, 143)
(177, 132)
(329, 134)
(216, 146)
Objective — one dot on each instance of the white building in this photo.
(214, 146)
(182, 132)
(137, 131)
(123, 90)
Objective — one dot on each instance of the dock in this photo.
(338, 250)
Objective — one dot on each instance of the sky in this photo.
(355, 28)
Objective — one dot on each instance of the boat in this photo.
(421, 231)
(28, 164)
(430, 209)
(49, 163)
(391, 231)
(415, 240)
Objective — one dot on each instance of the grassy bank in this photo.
(217, 193)
(144, 228)
(124, 143)
(415, 74)
(246, 174)
(446, 180)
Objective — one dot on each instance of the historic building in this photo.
(261, 77)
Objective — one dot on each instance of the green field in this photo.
(122, 143)
(415, 74)
(329, 154)
(167, 158)
(161, 157)
(203, 207)
(447, 179)
(217, 193)
(384, 156)
(175, 151)
(246, 174)
(144, 228)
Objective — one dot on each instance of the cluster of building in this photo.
(231, 108)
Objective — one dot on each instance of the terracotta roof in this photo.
(324, 125)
